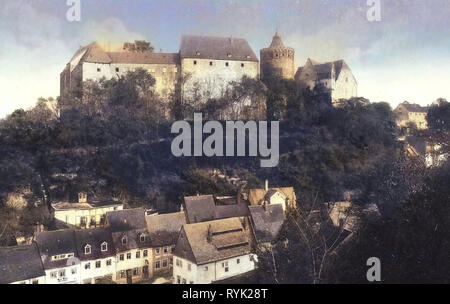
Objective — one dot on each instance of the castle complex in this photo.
(205, 66)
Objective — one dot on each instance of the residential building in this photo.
(407, 113)
(21, 265)
(284, 196)
(83, 214)
(59, 256)
(334, 79)
(163, 230)
(96, 254)
(132, 244)
(210, 251)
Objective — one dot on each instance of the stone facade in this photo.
(277, 60)
(334, 79)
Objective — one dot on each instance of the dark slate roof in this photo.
(133, 240)
(20, 263)
(144, 58)
(127, 219)
(227, 211)
(267, 221)
(164, 228)
(199, 208)
(324, 70)
(56, 242)
(218, 48)
(95, 238)
(212, 241)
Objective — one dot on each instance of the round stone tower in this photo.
(277, 60)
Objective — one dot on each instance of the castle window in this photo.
(99, 70)
(87, 249)
(242, 65)
(211, 63)
(195, 62)
(227, 64)
(117, 69)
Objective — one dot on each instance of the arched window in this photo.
(104, 246)
(87, 249)
(142, 238)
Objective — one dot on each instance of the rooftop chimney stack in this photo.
(266, 186)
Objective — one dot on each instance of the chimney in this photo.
(266, 185)
(209, 236)
(82, 197)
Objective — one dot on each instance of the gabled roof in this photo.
(95, 238)
(164, 228)
(51, 243)
(267, 221)
(218, 48)
(207, 242)
(127, 219)
(95, 53)
(20, 263)
(324, 70)
(199, 208)
(256, 196)
(410, 107)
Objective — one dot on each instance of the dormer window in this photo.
(124, 240)
(87, 249)
(104, 246)
(229, 55)
(248, 56)
(142, 238)
(197, 53)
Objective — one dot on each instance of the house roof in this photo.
(84, 206)
(227, 211)
(95, 238)
(257, 196)
(94, 53)
(324, 70)
(127, 219)
(213, 241)
(267, 221)
(56, 242)
(202, 208)
(133, 240)
(164, 228)
(199, 208)
(20, 263)
(218, 48)
(414, 107)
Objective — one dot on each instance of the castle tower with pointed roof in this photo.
(277, 60)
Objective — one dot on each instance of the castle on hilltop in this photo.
(205, 66)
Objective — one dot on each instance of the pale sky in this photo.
(405, 56)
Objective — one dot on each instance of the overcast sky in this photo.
(405, 56)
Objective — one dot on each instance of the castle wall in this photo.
(166, 75)
(213, 76)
